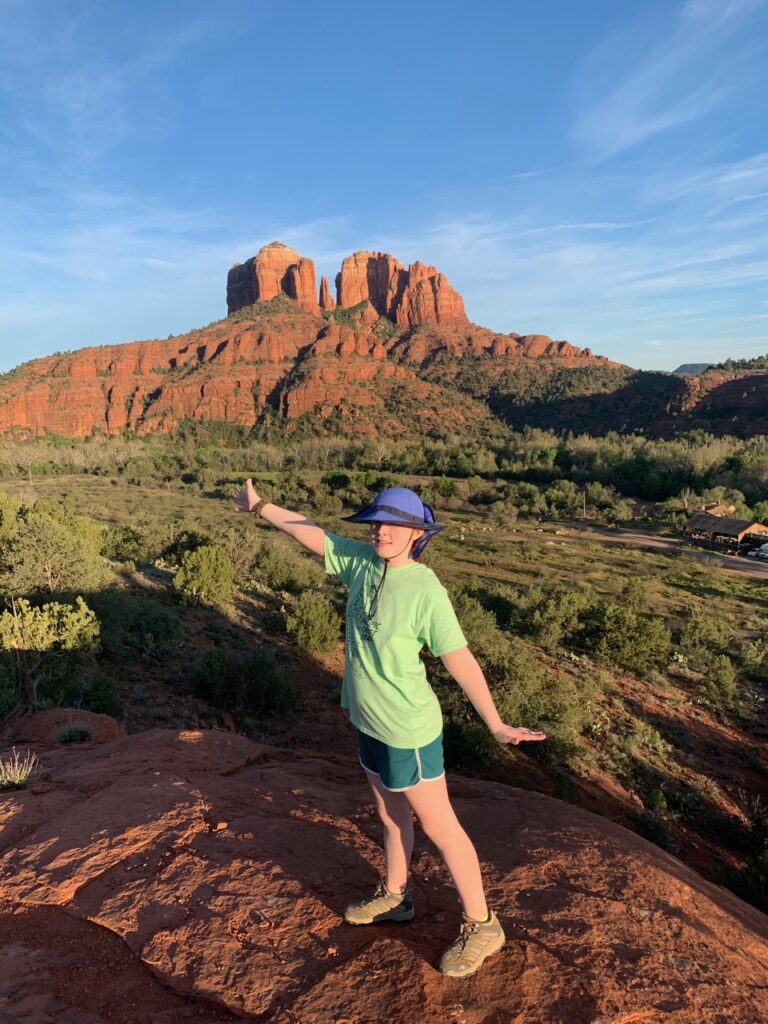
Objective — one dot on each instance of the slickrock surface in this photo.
(168, 877)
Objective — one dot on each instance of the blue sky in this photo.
(595, 171)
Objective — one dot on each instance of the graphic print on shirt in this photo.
(362, 627)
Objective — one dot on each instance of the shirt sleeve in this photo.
(343, 555)
(441, 631)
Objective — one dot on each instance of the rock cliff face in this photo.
(196, 875)
(409, 296)
(417, 295)
(289, 363)
(327, 301)
(275, 269)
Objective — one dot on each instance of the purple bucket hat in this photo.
(400, 506)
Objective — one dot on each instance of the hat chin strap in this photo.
(408, 545)
(371, 610)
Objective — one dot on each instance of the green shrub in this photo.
(634, 594)
(264, 689)
(497, 598)
(183, 543)
(565, 788)
(74, 733)
(555, 616)
(750, 882)
(313, 623)
(249, 685)
(40, 645)
(753, 655)
(469, 748)
(280, 567)
(123, 544)
(702, 636)
(650, 826)
(205, 576)
(83, 686)
(16, 772)
(135, 625)
(720, 680)
(617, 635)
(242, 545)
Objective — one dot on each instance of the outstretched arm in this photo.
(303, 530)
(465, 670)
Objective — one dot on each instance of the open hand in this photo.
(246, 497)
(513, 735)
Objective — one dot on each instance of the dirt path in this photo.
(572, 534)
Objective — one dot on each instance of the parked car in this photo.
(761, 552)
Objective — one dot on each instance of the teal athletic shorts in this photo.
(401, 768)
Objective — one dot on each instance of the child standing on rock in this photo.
(395, 607)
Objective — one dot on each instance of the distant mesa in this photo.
(691, 369)
(418, 294)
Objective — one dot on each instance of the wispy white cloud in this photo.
(74, 101)
(679, 79)
(717, 11)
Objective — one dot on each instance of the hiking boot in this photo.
(383, 905)
(476, 941)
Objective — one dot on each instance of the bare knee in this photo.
(393, 809)
(442, 831)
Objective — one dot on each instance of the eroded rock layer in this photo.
(288, 362)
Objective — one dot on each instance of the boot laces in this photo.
(468, 929)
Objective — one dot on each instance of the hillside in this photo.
(172, 876)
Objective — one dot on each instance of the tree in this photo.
(31, 638)
(49, 550)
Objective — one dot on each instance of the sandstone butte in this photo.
(170, 877)
(286, 349)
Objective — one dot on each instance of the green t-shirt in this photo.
(385, 681)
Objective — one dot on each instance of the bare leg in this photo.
(429, 799)
(395, 813)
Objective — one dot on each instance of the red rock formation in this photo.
(428, 298)
(228, 371)
(274, 269)
(326, 300)
(300, 284)
(231, 370)
(375, 276)
(408, 297)
(223, 866)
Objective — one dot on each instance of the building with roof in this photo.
(725, 532)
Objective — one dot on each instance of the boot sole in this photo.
(449, 973)
(382, 919)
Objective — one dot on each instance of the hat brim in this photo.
(377, 515)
